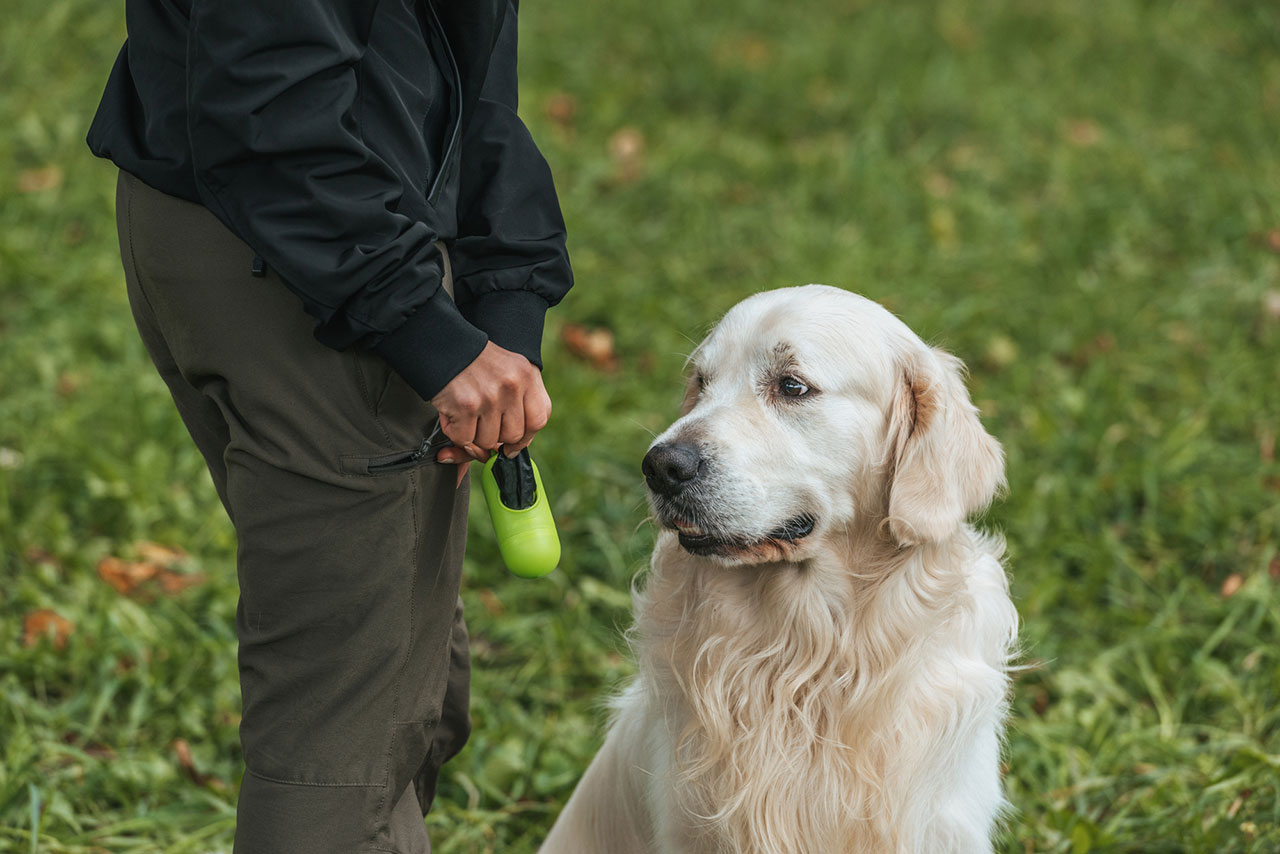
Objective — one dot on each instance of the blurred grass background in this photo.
(1082, 200)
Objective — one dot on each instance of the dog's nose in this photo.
(669, 468)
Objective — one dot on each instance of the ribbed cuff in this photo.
(513, 321)
(432, 346)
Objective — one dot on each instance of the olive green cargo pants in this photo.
(353, 652)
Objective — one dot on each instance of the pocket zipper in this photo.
(403, 462)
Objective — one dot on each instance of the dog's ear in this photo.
(943, 464)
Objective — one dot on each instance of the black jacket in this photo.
(341, 139)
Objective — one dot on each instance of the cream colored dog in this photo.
(822, 640)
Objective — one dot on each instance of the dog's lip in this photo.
(795, 528)
(697, 540)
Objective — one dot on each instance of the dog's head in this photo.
(809, 409)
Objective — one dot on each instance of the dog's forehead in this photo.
(830, 334)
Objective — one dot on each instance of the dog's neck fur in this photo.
(793, 696)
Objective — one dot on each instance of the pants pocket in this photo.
(397, 461)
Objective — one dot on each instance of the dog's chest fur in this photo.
(804, 705)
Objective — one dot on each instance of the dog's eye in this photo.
(792, 387)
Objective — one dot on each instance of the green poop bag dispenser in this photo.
(521, 515)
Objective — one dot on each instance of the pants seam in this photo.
(404, 661)
(314, 785)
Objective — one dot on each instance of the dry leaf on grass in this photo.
(1271, 304)
(491, 602)
(182, 750)
(40, 180)
(1231, 585)
(1083, 133)
(46, 623)
(68, 383)
(130, 577)
(35, 554)
(562, 108)
(938, 185)
(594, 345)
(744, 50)
(626, 148)
(125, 575)
(156, 553)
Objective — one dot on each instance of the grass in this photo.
(1079, 199)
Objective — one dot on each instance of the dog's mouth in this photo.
(699, 541)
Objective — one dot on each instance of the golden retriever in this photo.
(822, 640)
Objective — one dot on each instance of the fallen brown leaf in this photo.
(749, 51)
(1084, 133)
(1231, 585)
(182, 750)
(129, 577)
(491, 602)
(40, 179)
(68, 383)
(1273, 240)
(1040, 704)
(938, 185)
(35, 554)
(594, 345)
(175, 582)
(626, 148)
(46, 623)
(1238, 802)
(562, 108)
(1271, 304)
(125, 575)
(156, 553)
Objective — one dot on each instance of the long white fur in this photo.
(844, 695)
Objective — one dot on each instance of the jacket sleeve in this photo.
(279, 158)
(510, 261)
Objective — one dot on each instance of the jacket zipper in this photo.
(455, 119)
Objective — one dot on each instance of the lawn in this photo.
(1081, 200)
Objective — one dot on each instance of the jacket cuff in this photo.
(513, 320)
(432, 346)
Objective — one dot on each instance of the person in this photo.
(339, 243)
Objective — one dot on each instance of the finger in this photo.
(515, 448)
(512, 432)
(454, 456)
(536, 413)
(487, 430)
(461, 431)
(463, 470)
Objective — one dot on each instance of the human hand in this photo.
(498, 399)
